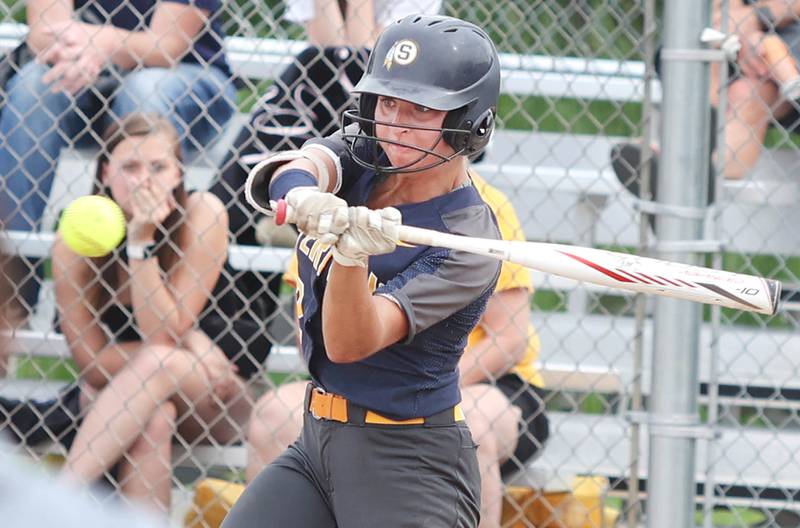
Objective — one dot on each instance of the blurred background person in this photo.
(762, 90)
(97, 61)
(31, 497)
(134, 320)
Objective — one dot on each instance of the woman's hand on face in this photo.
(150, 208)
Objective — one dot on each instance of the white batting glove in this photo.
(370, 233)
(320, 215)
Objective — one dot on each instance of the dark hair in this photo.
(142, 125)
(133, 125)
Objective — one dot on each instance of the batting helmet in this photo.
(439, 62)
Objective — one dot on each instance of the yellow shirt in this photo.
(511, 275)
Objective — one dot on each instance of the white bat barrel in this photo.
(607, 268)
(619, 270)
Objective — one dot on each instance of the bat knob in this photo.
(280, 212)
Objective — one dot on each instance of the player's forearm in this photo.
(351, 327)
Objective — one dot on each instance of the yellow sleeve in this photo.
(511, 275)
(290, 275)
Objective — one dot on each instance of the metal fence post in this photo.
(682, 181)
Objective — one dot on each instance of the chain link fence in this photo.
(576, 154)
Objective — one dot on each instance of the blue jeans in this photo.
(36, 123)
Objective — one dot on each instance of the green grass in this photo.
(547, 114)
(54, 369)
(279, 378)
(593, 403)
(740, 517)
(548, 301)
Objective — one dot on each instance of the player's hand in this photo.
(371, 232)
(320, 215)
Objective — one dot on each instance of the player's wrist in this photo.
(290, 180)
(349, 260)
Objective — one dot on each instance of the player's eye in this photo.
(388, 102)
(159, 166)
(423, 109)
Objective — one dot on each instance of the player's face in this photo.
(397, 116)
(146, 162)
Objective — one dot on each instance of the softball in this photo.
(92, 226)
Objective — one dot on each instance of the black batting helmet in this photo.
(439, 62)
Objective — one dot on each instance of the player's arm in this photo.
(505, 323)
(166, 308)
(356, 323)
(77, 295)
(323, 164)
(433, 287)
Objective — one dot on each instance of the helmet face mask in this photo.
(441, 63)
(364, 139)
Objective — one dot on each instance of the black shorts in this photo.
(33, 422)
(534, 428)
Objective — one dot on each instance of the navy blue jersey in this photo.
(135, 15)
(442, 292)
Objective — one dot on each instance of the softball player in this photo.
(501, 389)
(383, 325)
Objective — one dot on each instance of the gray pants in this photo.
(354, 475)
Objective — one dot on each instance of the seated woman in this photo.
(134, 319)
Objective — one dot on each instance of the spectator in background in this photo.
(762, 89)
(500, 387)
(147, 55)
(31, 498)
(305, 101)
(135, 320)
(755, 95)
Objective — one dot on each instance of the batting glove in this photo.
(369, 233)
(320, 215)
